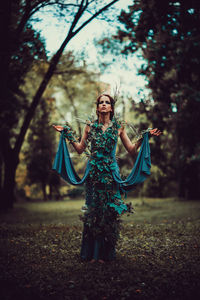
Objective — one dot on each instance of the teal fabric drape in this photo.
(64, 166)
(141, 170)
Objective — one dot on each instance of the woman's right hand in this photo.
(58, 127)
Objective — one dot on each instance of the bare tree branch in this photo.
(94, 16)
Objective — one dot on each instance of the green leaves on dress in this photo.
(103, 216)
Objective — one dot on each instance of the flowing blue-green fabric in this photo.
(141, 170)
(98, 247)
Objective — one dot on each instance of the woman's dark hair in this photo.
(112, 102)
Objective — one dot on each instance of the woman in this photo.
(104, 186)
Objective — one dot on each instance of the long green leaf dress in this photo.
(104, 188)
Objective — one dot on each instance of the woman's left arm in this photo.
(130, 147)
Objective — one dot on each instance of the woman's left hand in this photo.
(155, 131)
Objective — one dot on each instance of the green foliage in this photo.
(167, 34)
(26, 51)
(103, 217)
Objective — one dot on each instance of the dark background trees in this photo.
(41, 148)
(22, 46)
(167, 33)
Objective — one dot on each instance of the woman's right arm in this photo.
(78, 146)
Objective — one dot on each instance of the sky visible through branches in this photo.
(122, 72)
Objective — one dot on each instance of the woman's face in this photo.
(104, 105)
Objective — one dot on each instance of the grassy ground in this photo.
(157, 253)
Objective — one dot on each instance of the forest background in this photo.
(38, 89)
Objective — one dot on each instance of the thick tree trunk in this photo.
(189, 180)
(8, 189)
(53, 192)
(189, 184)
(44, 191)
(1, 173)
(188, 172)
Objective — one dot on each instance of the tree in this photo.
(17, 17)
(167, 33)
(41, 147)
(13, 101)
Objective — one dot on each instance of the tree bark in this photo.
(188, 182)
(44, 191)
(8, 189)
(193, 187)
